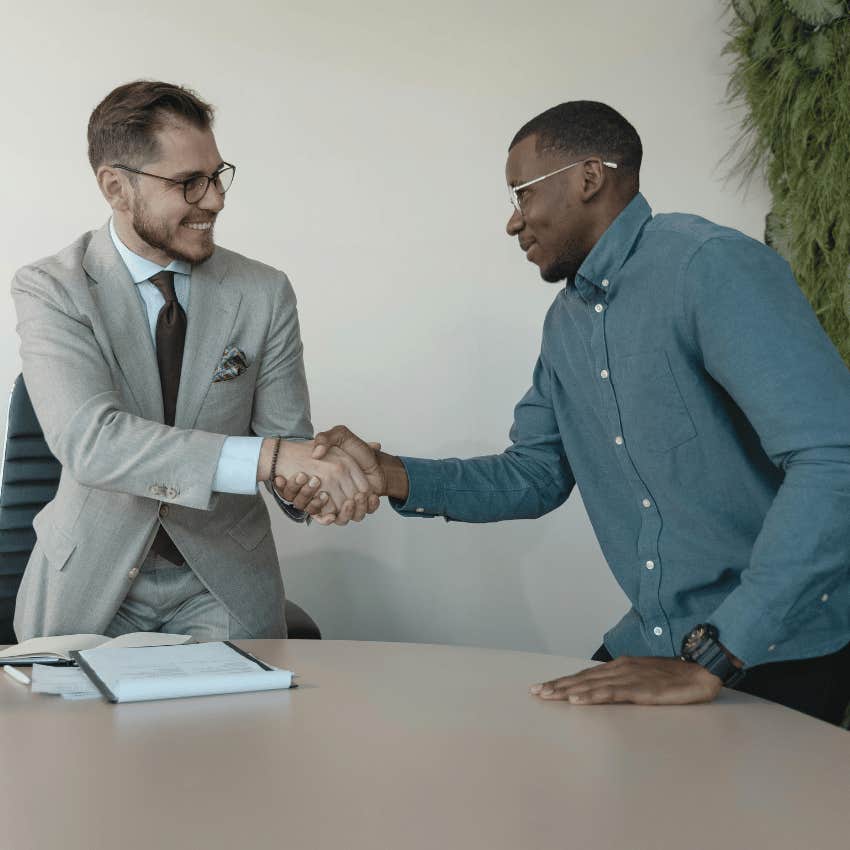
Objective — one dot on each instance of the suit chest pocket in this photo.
(230, 402)
(652, 409)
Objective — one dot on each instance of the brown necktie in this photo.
(170, 339)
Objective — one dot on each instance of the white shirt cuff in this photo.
(237, 466)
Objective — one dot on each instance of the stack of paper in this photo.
(69, 682)
(166, 672)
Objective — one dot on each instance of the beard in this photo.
(158, 234)
(566, 264)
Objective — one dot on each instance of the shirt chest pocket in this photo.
(652, 409)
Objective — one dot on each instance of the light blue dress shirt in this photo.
(237, 464)
(687, 388)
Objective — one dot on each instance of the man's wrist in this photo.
(398, 484)
(264, 464)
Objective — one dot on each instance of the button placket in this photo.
(649, 602)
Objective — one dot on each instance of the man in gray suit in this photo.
(164, 372)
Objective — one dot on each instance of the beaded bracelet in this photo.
(275, 453)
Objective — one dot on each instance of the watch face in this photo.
(697, 637)
(693, 639)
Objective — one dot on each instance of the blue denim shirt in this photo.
(686, 386)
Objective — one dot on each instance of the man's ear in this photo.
(115, 187)
(593, 178)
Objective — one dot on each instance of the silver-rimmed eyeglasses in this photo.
(514, 191)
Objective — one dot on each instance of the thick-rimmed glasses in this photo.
(514, 191)
(194, 188)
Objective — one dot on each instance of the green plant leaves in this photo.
(791, 73)
(817, 13)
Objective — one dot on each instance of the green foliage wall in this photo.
(792, 72)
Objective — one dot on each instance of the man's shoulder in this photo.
(240, 266)
(64, 267)
(692, 230)
(69, 258)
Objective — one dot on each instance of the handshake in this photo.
(335, 478)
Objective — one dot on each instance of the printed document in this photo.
(165, 672)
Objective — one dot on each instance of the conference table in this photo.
(388, 745)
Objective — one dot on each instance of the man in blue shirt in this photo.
(686, 386)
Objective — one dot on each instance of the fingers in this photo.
(360, 506)
(299, 490)
(346, 473)
(316, 505)
(641, 680)
(325, 439)
(346, 512)
(373, 503)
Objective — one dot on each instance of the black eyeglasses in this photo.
(194, 188)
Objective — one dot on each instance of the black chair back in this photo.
(30, 477)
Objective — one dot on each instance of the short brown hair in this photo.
(123, 125)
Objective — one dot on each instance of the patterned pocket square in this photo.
(232, 365)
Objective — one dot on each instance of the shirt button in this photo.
(650, 565)
(133, 573)
(771, 647)
(599, 308)
(603, 374)
(170, 493)
(420, 510)
(605, 283)
(658, 631)
(646, 503)
(163, 510)
(824, 597)
(618, 440)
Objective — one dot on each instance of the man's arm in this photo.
(527, 480)
(81, 414)
(759, 339)
(104, 446)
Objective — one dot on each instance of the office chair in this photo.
(30, 477)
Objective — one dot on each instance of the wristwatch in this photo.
(701, 645)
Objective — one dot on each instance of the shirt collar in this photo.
(613, 248)
(141, 269)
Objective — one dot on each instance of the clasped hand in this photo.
(335, 478)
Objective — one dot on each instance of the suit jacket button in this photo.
(163, 510)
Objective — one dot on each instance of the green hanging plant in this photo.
(792, 73)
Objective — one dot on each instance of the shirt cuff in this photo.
(426, 494)
(237, 466)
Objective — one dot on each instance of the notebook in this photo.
(125, 674)
(57, 649)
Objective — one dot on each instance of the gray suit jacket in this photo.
(91, 371)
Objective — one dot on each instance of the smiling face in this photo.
(153, 218)
(556, 227)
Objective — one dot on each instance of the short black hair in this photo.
(124, 124)
(583, 128)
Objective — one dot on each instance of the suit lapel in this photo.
(126, 324)
(212, 311)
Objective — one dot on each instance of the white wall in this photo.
(370, 139)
